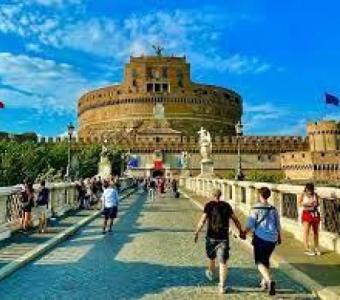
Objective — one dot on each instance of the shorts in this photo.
(217, 249)
(41, 209)
(110, 212)
(310, 217)
(262, 251)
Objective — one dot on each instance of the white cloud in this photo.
(298, 128)
(181, 32)
(258, 114)
(55, 2)
(42, 84)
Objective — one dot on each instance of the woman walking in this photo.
(27, 202)
(309, 201)
(264, 222)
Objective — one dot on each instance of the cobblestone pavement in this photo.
(150, 255)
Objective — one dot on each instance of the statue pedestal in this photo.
(185, 173)
(104, 168)
(207, 169)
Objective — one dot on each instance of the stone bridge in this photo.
(149, 255)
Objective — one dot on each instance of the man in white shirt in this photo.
(110, 202)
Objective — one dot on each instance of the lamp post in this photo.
(239, 174)
(70, 131)
(124, 157)
(190, 165)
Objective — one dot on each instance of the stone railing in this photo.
(242, 195)
(63, 197)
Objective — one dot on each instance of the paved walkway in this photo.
(150, 255)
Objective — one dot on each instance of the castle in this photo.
(155, 113)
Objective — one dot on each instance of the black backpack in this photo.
(216, 219)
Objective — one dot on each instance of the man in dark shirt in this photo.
(217, 213)
(42, 206)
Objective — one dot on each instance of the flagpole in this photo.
(325, 106)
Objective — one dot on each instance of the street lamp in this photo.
(239, 174)
(70, 131)
(190, 165)
(124, 158)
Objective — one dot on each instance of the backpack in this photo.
(216, 219)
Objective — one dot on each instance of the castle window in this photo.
(134, 82)
(322, 154)
(165, 72)
(165, 87)
(149, 87)
(226, 96)
(180, 83)
(148, 72)
(157, 87)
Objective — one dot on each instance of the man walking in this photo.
(217, 214)
(110, 201)
(42, 206)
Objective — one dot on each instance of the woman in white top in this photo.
(309, 200)
(110, 204)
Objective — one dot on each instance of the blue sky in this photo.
(281, 56)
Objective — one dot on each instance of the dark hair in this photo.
(105, 184)
(265, 192)
(42, 182)
(29, 187)
(309, 187)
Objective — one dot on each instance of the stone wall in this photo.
(243, 195)
(62, 198)
(157, 87)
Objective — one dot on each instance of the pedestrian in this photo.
(110, 202)
(27, 202)
(152, 190)
(310, 218)
(174, 186)
(264, 222)
(88, 194)
(80, 186)
(217, 214)
(42, 206)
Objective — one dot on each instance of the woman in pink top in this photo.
(309, 200)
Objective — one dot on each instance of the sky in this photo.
(280, 56)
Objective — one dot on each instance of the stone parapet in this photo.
(243, 194)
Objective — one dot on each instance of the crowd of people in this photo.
(264, 224)
(263, 221)
(157, 187)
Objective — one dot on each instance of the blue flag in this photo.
(330, 99)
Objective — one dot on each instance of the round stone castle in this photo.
(157, 93)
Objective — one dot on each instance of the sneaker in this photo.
(263, 285)
(221, 288)
(272, 290)
(209, 275)
(309, 252)
(104, 231)
(317, 252)
(110, 230)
